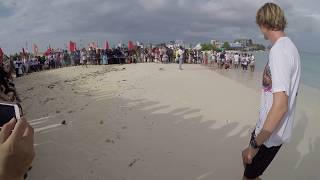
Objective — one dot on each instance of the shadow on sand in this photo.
(143, 140)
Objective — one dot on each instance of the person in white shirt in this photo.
(244, 62)
(165, 58)
(236, 61)
(213, 59)
(83, 58)
(180, 57)
(161, 53)
(61, 57)
(190, 56)
(218, 59)
(280, 87)
(18, 67)
(247, 61)
(252, 63)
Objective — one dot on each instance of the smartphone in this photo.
(9, 111)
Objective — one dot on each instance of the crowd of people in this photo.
(25, 63)
(229, 60)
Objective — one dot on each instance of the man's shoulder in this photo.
(284, 47)
(283, 44)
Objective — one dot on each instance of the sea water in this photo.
(310, 67)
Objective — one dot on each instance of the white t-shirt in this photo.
(236, 58)
(213, 57)
(252, 60)
(244, 60)
(180, 52)
(281, 74)
(83, 56)
(218, 56)
(227, 56)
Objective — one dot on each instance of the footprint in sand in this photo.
(110, 141)
(70, 112)
(47, 100)
(133, 162)
(30, 89)
(51, 86)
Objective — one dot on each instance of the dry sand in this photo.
(154, 122)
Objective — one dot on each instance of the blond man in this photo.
(280, 86)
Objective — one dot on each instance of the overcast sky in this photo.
(56, 22)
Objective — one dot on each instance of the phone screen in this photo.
(7, 112)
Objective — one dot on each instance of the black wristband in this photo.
(254, 144)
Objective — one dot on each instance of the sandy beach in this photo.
(155, 122)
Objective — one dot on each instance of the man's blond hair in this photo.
(271, 16)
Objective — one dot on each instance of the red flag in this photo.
(49, 51)
(72, 46)
(1, 56)
(106, 45)
(130, 45)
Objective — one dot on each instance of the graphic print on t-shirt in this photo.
(267, 79)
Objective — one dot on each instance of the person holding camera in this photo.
(16, 149)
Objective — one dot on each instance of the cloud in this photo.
(57, 22)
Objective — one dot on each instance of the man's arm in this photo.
(278, 109)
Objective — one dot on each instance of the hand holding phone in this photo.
(9, 111)
(16, 149)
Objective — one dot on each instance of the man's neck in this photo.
(275, 35)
